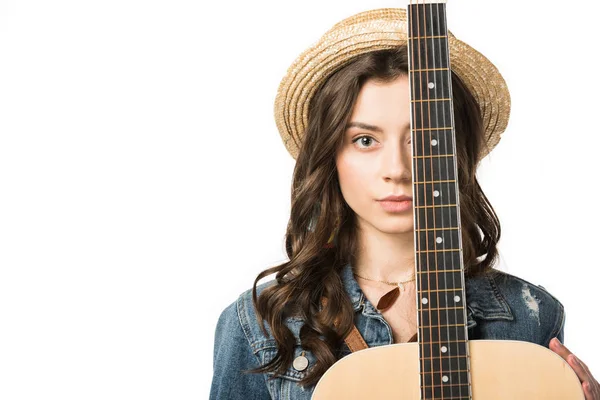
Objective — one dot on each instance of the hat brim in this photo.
(375, 30)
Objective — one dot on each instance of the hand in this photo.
(591, 388)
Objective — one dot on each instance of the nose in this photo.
(397, 163)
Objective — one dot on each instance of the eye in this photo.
(364, 139)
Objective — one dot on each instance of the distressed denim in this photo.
(499, 307)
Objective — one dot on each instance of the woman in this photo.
(343, 111)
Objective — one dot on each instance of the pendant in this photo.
(388, 299)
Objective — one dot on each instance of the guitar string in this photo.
(442, 14)
(439, 93)
(463, 302)
(416, 196)
(440, 170)
(419, 58)
(425, 46)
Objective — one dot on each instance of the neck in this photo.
(385, 256)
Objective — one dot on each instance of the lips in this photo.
(396, 198)
(397, 206)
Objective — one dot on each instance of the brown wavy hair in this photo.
(318, 209)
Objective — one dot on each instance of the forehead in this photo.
(386, 103)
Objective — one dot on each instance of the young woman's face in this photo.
(375, 160)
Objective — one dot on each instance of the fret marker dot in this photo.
(424, 300)
(439, 240)
(436, 193)
(444, 378)
(444, 349)
(433, 142)
(457, 298)
(431, 85)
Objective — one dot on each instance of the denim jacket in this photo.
(499, 306)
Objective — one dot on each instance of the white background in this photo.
(143, 183)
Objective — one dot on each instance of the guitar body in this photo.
(500, 369)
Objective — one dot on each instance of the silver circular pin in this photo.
(300, 363)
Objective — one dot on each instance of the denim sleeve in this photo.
(558, 330)
(232, 354)
(561, 331)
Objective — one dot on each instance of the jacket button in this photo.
(300, 363)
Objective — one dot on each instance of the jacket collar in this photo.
(484, 299)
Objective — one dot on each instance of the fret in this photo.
(437, 205)
(445, 363)
(437, 335)
(420, 84)
(435, 229)
(435, 378)
(441, 170)
(439, 298)
(437, 366)
(436, 217)
(444, 308)
(429, 69)
(432, 141)
(424, 292)
(417, 14)
(433, 261)
(448, 392)
(441, 128)
(423, 326)
(452, 343)
(445, 190)
(436, 251)
(456, 349)
(429, 54)
(458, 396)
(453, 347)
(448, 383)
(442, 357)
(438, 280)
(438, 169)
(426, 115)
(441, 320)
(429, 239)
(429, 100)
(446, 270)
(425, 37)
(455, 396)
(432, 182)
(435, 155)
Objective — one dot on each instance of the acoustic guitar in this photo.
(443, 364)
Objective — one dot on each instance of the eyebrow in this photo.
(373, 128)
(362, 125)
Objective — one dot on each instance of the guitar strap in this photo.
(354, 340)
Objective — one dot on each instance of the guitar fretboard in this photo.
(443, 347)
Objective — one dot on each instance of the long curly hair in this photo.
(318, 210)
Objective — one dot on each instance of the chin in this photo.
(392, 225)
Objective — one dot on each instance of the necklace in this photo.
(388, 299)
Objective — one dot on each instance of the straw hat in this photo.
(373, 30)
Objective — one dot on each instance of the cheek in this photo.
(354, 178)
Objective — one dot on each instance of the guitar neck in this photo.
(441, 308)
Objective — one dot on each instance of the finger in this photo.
(582, 374)
(559, 348)
(594, 388)
(584, 366)
(590, 391)
(587, 391)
